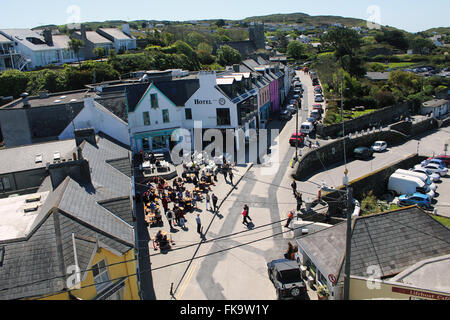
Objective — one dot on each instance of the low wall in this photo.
(375, 182)
(382, 117)
(333, 152)
(415, 128)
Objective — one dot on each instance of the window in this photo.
(5, 185)
(188, 112)
(146, 118)
(223, 116)
(100, 275)
(165, 114)
(154, 100)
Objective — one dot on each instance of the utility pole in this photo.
(348, 238)
(296, 134)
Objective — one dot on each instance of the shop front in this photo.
(155, 141)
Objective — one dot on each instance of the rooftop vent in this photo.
(38, 158)
(30, 207)
(33, 198)
(73, 100)
(57, 101)
(63, 97)
(57, 156)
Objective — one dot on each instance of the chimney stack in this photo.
(26, 103)
(78, 170)
(48, 37)
(83, 33)
(87, 134)
(235, 68)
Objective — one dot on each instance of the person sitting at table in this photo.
(153, 206)
(188, 194)
(161, 239)
(180, 195)
(195, 181)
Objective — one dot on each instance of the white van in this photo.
(306, 127)
(403, 184)
(422, 176)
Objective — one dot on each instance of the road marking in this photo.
(187, 279)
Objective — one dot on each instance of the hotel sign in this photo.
(421, 294)
(197, 101)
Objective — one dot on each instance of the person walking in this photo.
(231, 176)
(224, 172)
(290, 217)
(170, 215)
(245, 217)
(214, 200)
(165, 203)
(294, 186)
(246, 208)
(299, 199)
(207, 199)
(199, 224)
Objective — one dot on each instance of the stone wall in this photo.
(381, 117)
(375, 182)
(333, 152)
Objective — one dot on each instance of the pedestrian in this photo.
(199, 224)
(182, 223)
(294, 186)
(215, 175)
(231, 176)
(298, 197)
(165, 203)
(214, 200)
(208, 199)
(170, 215)
(290, 217)
(248, 212)
(224, 172)
(245, 216)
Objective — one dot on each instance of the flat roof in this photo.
(14, 222)
(435, 103)
(24, 158)
(59, 98)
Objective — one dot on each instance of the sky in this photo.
(409, 15)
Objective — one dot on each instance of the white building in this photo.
(122, 39)
(36, 50)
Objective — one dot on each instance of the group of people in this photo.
(299, 200)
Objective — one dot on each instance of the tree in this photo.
(395, 38)
(295, 49)
(99, 52)
(12, 83)
(220, 23)
(421, 45)
(226, 56)
(75, 45)
(204, 53)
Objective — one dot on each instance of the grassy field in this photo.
(357, 114)
(445, 221)
(394, 65)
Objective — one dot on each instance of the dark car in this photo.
(297, 138)
(285, 114)
(318, 107)
(286, 277)
(362, 153)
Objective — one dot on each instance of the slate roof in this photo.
(95, 38)
(134, 94)
(377, 75)
(21, 35)
(72, 209)
(116, 33)
(393, 241)
(122, 165)
(178, 91)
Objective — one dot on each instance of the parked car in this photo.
(422, 200)
(433, 176)
(379, 146)
(285, 114)
(297, 138)
(443, 158)
(306, 127)
(318, 89)
(316, 115)
(315, 82)
(440, 163)
(318, 98)
(298, 90)
(286, 277)
(318, 107)
(422, 176)
(435, 168)
(362, 153)
(292, 109)
(403, 184)
(293, 101)
(297, 84)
